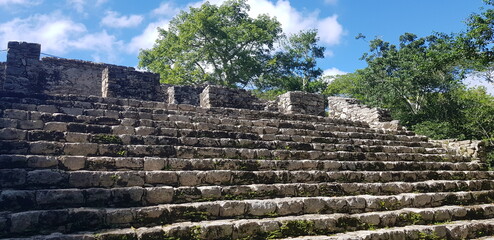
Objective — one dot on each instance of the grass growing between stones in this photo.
(106, 139)
(429, 236)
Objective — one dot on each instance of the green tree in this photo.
(298, 60)
(408, 77)
(476, 44)
(219, 44)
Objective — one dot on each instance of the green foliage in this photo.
(411, 217)
(294, 228)
(219, 44)
(224, 45)
(420, 82)
(269, 94)
(429, 236)
(435, 129)
(344, 85)
(106, 139)
(294, 67)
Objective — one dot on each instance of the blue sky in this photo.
(113, 31)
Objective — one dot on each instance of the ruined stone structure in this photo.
(106, 165)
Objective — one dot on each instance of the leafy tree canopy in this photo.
(224, 45)
(219, 44)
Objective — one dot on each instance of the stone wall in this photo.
(125, 82)
(475, 149)
(21, 70)
(70, 76)
(218, 96)
(352, 109)
(26, 73)
(185, 94)
(302, 103)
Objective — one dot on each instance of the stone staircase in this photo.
(78, 167)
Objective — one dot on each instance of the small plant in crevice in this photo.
(122, 153)
(429, 236)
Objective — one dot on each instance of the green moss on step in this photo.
(106, 139)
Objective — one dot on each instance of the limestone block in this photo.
(289, 207)
(216, 230)
(232, 208)
(210, 192)
(314, 205)
(159, 195)
(24, 221)
(97, 196)
(42, 161)
(162, 177)
(46, 177)
(127, 195)
(260, 208)
(65, 197)
(189, 178)
(81, 149)
(73, 162)
(12, 134)
(119, 216)
(301, 103)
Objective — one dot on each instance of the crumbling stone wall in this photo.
(219, 96)
(475, 149)
(185, 94)
(26, 73)
(70, 76)
(352, 109)
(302, 103)
(21, 70)
(125, 82)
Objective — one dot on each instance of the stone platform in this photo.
(113, 166)
(76, 167)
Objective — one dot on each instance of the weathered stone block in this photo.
(218, 96)
(301, 103)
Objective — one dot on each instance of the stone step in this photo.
(36, 179)
(16, 200)
(56, 131)
(142, 150)
(102, 106)
(29, 120)
(147, 117)
(350, 226)
(457, 230)
(156, 163)
(213, 139)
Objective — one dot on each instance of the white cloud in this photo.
(147, 38)
(53, 31)
(114, 20)
(328, 53)
(330, 31)
(333, 72)
(58, 35)
(166, 9)
(292, 20)
(104, 45)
